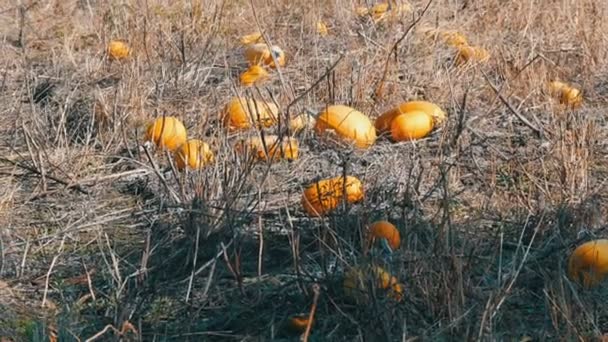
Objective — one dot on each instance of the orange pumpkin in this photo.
(355, 283)
(241, 113)
(251, 38)
(383, 122)
(167, 132)
(118, 49)
(193, 154)
(254, 75)
(348, 123)
(301, 122)
(411, 126)
(260, 53)
(386, 230)
(299, 323)
(324, 196)
(588, 263)
(468, 53)
(287, 149)
(567, 94)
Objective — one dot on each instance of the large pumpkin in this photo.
(385, 230)
(287, 149)
(324, 196)
(193, 154)
(348, 123)
(356, 280)
(260, 53)
(411, 126)
(166, 132)
(588, 264)
(384, 121)
(241, 113)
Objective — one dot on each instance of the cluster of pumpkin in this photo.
(259, 55)
(465, 52)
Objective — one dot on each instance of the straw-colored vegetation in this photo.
(255, 220)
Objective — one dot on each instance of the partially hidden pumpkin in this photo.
(241, 113)
(348, 123)
(261, 53)
(254, 75)
(588, 263)
(385, 230)
(356, 283)
(252, 38)
(324, 196)
(299, 323)
(467, 53)
(566, 94)
(118, 49)
(384, 122)
(454, 38)
(167, 132)
(270, 147)
(193, 154)
(411, 126)
(301, 122)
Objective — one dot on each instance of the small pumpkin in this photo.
(324, 196)
(193, 154)
(287, 149)
(348, 123)
(252, 38)
(567, 94)
(385, 230)
(299, 323)
(240, 113)
(384, 122)
(356, 280)
(411, 126)
(588, 263)
(322, 28)
(301, 122)
(454, 38)
(254, 75)
(118, 49)
(167, 132)
(260, 53)
(467, 53)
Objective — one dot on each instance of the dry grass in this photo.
(99, 241)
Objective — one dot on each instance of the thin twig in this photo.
(316, 291)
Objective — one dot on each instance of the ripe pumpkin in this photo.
(260, 53)
(385, 230)
(588, 263)
(411, 126)
(567, 94)
(348, 123)
(455, 39)
(322, 28)
(240, 113)
(167, 132)
(287, 149)
(193, 154)
(468, 53)
(118, 49)
(254, 75)
(301, 122)
(324, 196)
(356, 280)
(251, 38)
(299, 323)
(383, 122)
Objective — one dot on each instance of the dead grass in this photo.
(102, 241)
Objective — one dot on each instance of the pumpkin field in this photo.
(292, 170)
